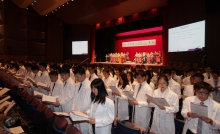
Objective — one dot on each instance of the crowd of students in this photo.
(88, 89)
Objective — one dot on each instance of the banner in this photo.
(139, 43)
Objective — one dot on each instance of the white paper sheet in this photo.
(16, 130)
(61, 113)
(200, 110)
(129, 95)
(49, 98)
(39, 84)
(37, 93)
(3, 91)
(78, 116)
(114, 89)
(158, 101)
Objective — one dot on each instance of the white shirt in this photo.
(175, 87)
(109, 81)
(215, 94)
(213, 113)
(186, 81)
(188, 90)
(44, 78)
(177, 79)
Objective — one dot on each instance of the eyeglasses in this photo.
(202, 93)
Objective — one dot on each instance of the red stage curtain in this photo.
(133, 50)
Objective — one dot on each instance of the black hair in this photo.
(149, 74)
(27, 65)
(113, 71)
(141, 73)
(138, 66)
(162, 76)
(173, 69)
(53, 73)
(93, 66)
(215, 72)
(167, 71)
(102, 92)
(125, 80)
(106, 70)
(35, 67)
(64, 70)
(202, 85)
(79, 70)
(208, 66)
(16, 66)
(191, 70)
(201, 76)
(53, 66)
(44, 64)
(100, 65)
(132, 77)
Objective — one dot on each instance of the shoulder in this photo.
(171, 93)
(109, 102)
(190, 99)
(59, 81)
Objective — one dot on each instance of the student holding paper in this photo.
(101, 110)
(141, 111)
(44, 78)
(35, 70)
(81, 96)
(201, 124)
(92, 75)
(130, 78)
(163, 119)
(55, 89)
(121, 101)
(108, 80)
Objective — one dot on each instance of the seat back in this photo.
(49, 114)
(41, 107)
(122, 129)
(60, 123)
(178, 126)
(70, 129)
(35, 102)
(56, 130)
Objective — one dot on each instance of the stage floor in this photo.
(131, 64)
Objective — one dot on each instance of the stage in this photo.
(133, 64)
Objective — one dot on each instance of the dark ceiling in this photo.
(95, 11)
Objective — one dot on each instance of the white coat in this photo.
(44, 78)
(142, 113)
(163, 120)
(175, 87)
(66, 99)
(104, 116)
(81, 102)
(93, 76)
(31, 75)
(186, 81)
(56, 92)
(213, 113)
(109, 81)
(177, 79)
(206, 76)
(215, 95)
(188, 90)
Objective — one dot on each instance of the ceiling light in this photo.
(67, 3)
(27, 8)
(32, 3)
(63, 5)
(55, 9)
(52, 11)
(45, 15)
(35, 1)
(71, 0)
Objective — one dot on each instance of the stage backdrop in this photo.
(140, 35)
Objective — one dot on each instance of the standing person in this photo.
(148, 79)
(91, 69)
(163, 119)
(208, 73)
(81, 99)
(108, 80)
(101, 109)
(215, 83)
(196, 124)
(175, 77)
(121, 101)
(44, 78)
(66, 99)
(55, 89)
(173, 85)
(141, 111)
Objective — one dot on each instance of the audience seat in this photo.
(123, 129)
(70, 129)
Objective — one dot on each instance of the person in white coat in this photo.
(44, 78)
(67, 92)
(81, 97)
(121, 101)
(186, 81)
(215, 83)
(141, 110)
(163, 119)
(207, 125)
(91, 69)
(175, 77)
(173, 85)
(148, 79)
(189, 90)
(55, 89)
(101, 110)
(108, 80)
(208, 73)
